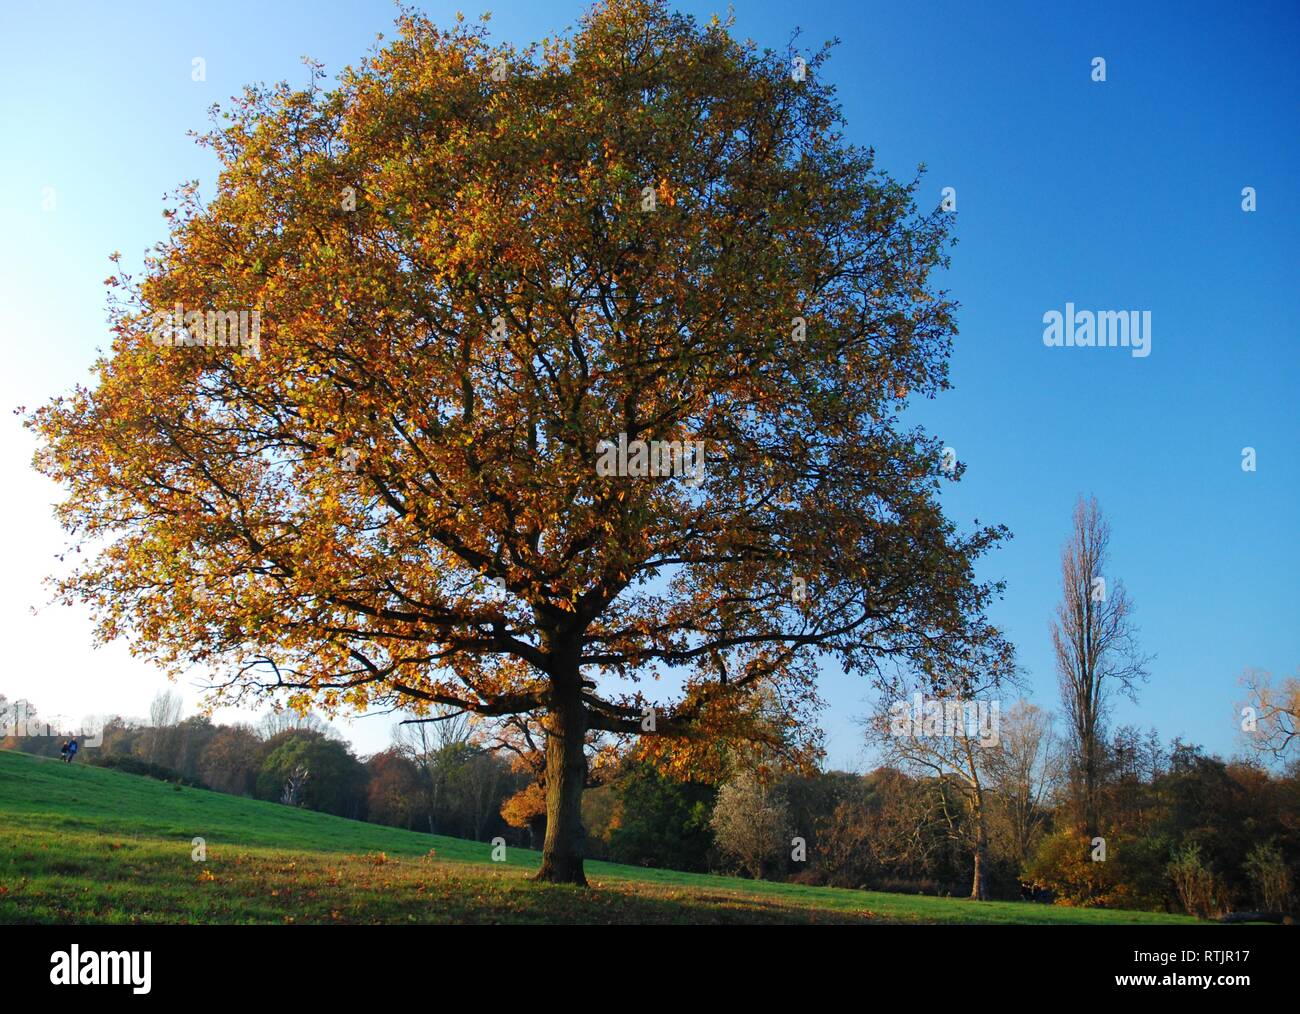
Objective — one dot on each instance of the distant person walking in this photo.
(72, 750)
(63, 751)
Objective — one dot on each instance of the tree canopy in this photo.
(471, 270)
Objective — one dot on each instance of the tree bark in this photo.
(1090, 779)
(566, 775)
(978, 887)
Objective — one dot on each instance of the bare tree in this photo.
(164, 716)
(751, 822)
(437, 745)
(1271, 714)
(165, 711)
(275, 722)
(1025, 771)
(1095, 645)
(294, 783)
(951, 741)
(482, 777)
(445, 726)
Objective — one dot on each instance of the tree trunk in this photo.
(978, 888)
(1090, 807)
(566, 774)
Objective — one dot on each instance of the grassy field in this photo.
(88, 845)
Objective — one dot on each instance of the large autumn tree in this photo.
(473, 265)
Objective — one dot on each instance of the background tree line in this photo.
(1183, 830)
(433, 778)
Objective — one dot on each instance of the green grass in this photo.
(89, 845)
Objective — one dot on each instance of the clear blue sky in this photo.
(1113, 196)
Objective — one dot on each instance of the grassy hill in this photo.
(90, 845)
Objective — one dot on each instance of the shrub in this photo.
(751, 823)
(1198, 888)
(136, 766)
(1269, 877)
(812, 877)
(1131, 876)
(1064, 865)
(919, 885)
